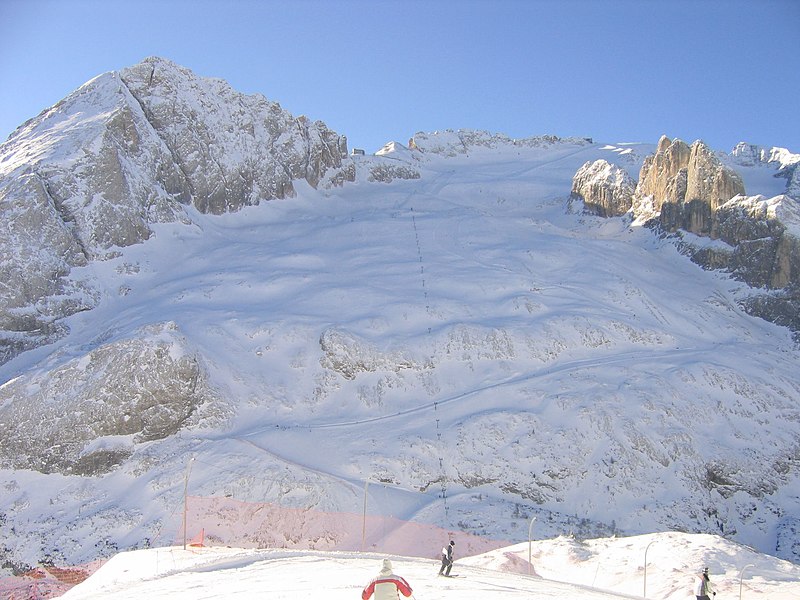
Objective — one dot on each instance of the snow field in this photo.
(563, 568)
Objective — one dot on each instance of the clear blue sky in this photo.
(381, 70)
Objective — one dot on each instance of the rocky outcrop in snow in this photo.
(606, 190)
(784, 162)
(231, 150)
(86, 416)
(348, 355)
(457, 143)
(688, 189)
(765, 251)
(129, 149)
(685, 185)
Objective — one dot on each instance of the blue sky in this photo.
(377, 71)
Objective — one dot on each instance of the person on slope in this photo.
(447, 559)
(387, 585)
(703, 586)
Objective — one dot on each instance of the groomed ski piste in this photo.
(560, 568)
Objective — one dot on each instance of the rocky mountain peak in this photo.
(606, 189)
(128, 149)
(232, 149)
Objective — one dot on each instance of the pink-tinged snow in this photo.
(231, 522)
(562, 568)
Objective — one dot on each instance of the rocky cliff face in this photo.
(684, 188)
(686, 185)
(127, 150)
(229, 150)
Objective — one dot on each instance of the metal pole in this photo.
(530, 529)
(186, 497)
(644, 593)
(364, 520)
(741, 577)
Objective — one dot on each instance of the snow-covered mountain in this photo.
(438, 333)
(91, 175)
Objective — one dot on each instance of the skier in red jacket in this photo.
(387, 585)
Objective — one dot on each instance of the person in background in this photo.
(703, 586)
(447, 559)
(387, 585)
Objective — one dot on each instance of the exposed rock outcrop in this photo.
(386, 173)
(761, 248)
(765, 253)
(348, 355)
(460, 142)
(605, 189)
(35, 293)
(685, 188)
(685, 185)
(85, 417)
(784, 162)
(231, 150)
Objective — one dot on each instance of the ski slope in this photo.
(563, 569)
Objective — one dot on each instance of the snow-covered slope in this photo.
(448, 326)
(653, 566)
(128, 149)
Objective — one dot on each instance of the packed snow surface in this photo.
(654, 566)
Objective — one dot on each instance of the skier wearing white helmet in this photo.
(703, 586)
(387, 585)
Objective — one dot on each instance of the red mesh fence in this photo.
(222, 521)
(231, 522)
(45, 582)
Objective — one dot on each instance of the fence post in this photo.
(186, 497)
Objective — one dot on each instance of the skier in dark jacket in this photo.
(447, 559)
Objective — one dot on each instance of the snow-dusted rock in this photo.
(455, 143)
(38, 249)
(233, 150)
(386, 173)
(689, 189)
(605, 189)
(348, 355)
(782, 161)
(86, 416)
